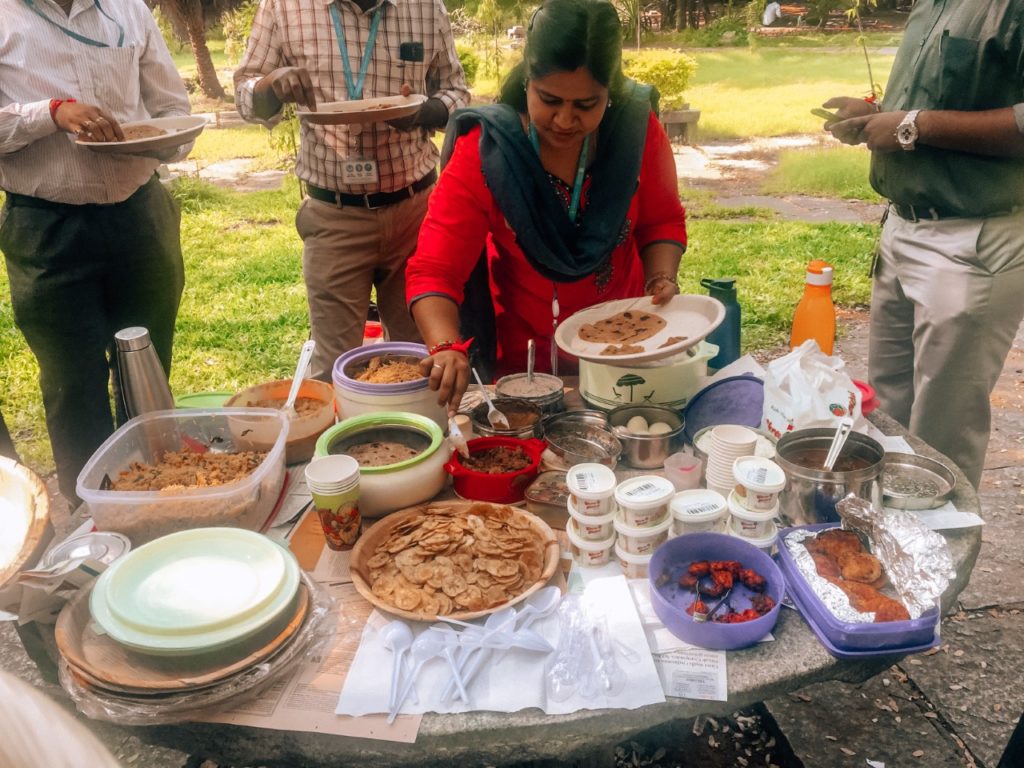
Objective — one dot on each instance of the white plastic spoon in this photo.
(300, 370)
(429, 645)
(397, 637)
(451, 641)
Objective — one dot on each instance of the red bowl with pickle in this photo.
(498, 469)
(700, 570)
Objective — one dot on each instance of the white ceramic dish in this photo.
(687, 317)
(194, 591)
(180, 130)
(363, 110)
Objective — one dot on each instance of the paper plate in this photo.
(194, 591)
(180, 130)
(688, 319)
(363, 110)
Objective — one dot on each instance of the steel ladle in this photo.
(838, 441)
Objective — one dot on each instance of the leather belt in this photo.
(373, 200)
(924, 213)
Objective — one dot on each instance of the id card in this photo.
(359, 172)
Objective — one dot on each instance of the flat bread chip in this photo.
(627, 326)
(622, 349)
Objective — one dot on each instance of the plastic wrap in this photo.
(916, 558)
(160, 708)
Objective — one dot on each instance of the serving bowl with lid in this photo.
(499, 488)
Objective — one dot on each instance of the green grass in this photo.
(252, 142)
(837, 172)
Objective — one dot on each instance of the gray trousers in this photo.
(948, 298)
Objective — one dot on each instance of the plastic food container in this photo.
(593, 487)
(765, 542)
(587, 552)
(547, 392)
(747, 522)
(697, 511)
(641, 541)
(358, 397)
(145, 515)
(591, 527)
(644, 500)
(500, 488)
(633, 566)
(759, 482)
(304, 428)
(848, 639)
(548, 497)
(390, 487)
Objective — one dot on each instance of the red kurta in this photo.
(463, 216)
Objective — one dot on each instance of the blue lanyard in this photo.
(355, 89)
(74, 35)
(581, 171)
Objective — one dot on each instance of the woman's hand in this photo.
(447, 373)
(661, 289)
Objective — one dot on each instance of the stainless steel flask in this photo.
(144, 384)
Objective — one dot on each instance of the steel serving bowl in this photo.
(582, 440)
(647, 451)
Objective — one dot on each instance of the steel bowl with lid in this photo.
(544, 390)
(524, 419)
(580, 437)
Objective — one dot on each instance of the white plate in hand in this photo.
(179, 130)
(363, 110)
(688, 319)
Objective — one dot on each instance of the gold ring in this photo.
(439, 366)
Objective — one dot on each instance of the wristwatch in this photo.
(906, 131)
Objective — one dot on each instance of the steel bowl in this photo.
(811, 492)
(582, 440)
(647, 451)
(910, 481)
(517, 410)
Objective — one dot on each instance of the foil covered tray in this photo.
(910, 481)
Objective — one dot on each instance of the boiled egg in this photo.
(659, 428)
(637, 425)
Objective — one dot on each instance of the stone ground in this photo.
(955, 706)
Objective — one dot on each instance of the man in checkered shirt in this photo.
(367, 183)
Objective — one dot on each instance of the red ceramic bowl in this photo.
(504, 488)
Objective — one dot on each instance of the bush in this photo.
(237, 25)
(171, 40)
(470, 63)
(668, 71)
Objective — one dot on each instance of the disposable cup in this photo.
(333, 483)
(726, 436)
(683, 470)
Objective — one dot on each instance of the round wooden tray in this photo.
(369, 542)
(103, 662)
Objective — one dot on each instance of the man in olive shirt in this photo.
(948, 152)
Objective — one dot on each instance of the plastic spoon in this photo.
(451, 640)
(427, 646)
(473, 655)
(842, 432)
(304, 357)
(531, 353)
(457, 438)
(494, 416)
(397, 637)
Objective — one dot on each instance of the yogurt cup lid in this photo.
(737, 509)
(590, 481)
(644, 492)
(759, 541)
(641, 533)
(758, 474)
(575, 514)
(697, 505)
(631, 558)
(586, 544)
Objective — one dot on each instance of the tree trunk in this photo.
(208, 82)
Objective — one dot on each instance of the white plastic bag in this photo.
(807, 388)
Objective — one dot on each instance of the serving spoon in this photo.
(838, 441)
(494, 416)
(304, 357)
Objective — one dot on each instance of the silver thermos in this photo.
(144, 384)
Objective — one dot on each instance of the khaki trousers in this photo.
(948, 298)
(346, 252)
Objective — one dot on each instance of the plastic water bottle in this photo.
(373, 329)
(726, 335)
(143, 380)
(815, 316)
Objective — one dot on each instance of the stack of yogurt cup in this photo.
(591, 505)
(754, 500)
(642, 522)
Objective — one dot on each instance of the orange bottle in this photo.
(815, 316)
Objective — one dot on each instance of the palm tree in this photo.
(189, 18)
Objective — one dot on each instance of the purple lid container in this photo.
(886, 637)
(670, 601)
(363, 354)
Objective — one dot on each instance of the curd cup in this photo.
(643, 501)
(633, 566)
(586, 552)
(748, 523)
(591, 527)
(766, 542)
(593, 488)
(759, 482)
(698, 510)
(641, 541)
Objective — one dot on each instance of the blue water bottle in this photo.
(726, 335)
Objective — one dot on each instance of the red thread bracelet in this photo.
(55, 105)
(455, 346)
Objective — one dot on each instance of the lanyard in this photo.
(581, 170)
(74, 35)
(355, 89)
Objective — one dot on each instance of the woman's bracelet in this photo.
(455, 346)
(657, 277)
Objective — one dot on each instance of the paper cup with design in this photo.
(333, 483)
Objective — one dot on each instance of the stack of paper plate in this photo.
(208, 610)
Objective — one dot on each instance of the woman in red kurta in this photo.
(574, 199)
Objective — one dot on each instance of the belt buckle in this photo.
(913, 218)
(369, 206)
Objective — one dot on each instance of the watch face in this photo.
(906, 134)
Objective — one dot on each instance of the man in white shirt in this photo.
(91, 240)
(367, 184)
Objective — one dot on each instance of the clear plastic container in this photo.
(146, 515)
(547, 497)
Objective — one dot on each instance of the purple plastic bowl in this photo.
(670, 601)
(363, 354)
(885, 637)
